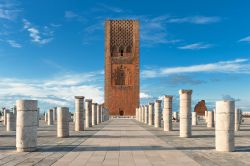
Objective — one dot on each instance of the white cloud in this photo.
(245, 39)
(57, 91)
(8, 10)
(195, 20)
(36, 36)
(234, 66)
(14, 44)
(195, 46)
(144, 95)
(70, 14)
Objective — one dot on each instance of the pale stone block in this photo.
(167, 112)
(11, 122)
(26, 125)
(94, 110)
(157, 115)
(88, 113)
(237, 120)
(79, 111)
(224, 128)
(62, 122)
(185, 113)
(98, 114)
(210, 119)
(146, 114)
(50, 117)
(194, 118)
(151, 114)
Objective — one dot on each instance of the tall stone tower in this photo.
(122, 66)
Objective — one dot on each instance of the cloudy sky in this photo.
(54, 50)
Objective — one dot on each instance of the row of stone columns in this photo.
(226, 117)
(27, 117)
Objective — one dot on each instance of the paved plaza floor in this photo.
(126, 142)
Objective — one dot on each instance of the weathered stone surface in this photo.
(26, 125)
(151, 114)
(185, 113)
(122, 66)
(157, 113)
(210, 119)
(62, 122)
(94, 110)
(167, 112)
(79, 112)
(88, 113)
(11, 122)
(50, 117)
(224, 130)
(194, 119)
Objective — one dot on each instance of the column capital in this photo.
(79, 97)
(187, 91)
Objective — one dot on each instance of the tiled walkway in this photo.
(124, 142)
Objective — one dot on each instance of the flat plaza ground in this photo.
(126, 142)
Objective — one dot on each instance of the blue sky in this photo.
(54, 50)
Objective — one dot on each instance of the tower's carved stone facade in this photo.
(122, 66)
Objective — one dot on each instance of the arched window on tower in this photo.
(121, 51)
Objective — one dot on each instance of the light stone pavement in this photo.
(125, 142)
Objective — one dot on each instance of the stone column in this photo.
(224, 129)
(50, 117)
(26, 125)
(167, 112)
(151, 114)
(185, 113)
(102, 113)
(237, 120)
(79, 109)
(5, 111)
(54, 114)
(88, 113)
(136, 114)
(146, 114)
(157, 113)
(45, 117)
(62, 122)
(11, 122)
(38, 116)
(142, 113)
(194, 118)
(139, 113)
(210, 119)
(206, 112)
(98, 114)
(94, 106)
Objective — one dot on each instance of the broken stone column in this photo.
(224, 129)
(136, 114)
(143, 114)
(54, 114)
(194, 118)
(139, 114)
(167, 113)
(79, 110)
(206, 113)
(50, 117)
(185, 113)
(98, 114)
(157, 121)
(38, 116)
(237, 120)
(94, 108)
(62, 122)
(88, 113)
(146, 114)
(45, 117)
(5, 111)
(26, 125)
(210, 119)
(151, 114)
(11, 122)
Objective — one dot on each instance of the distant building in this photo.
(200, 107)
